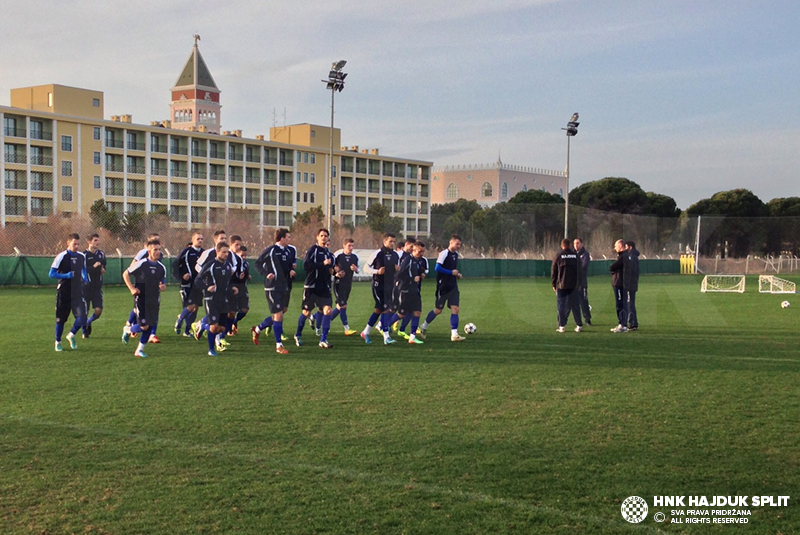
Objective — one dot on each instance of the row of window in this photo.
(411, 225)
(40, 207)
(362, 185)
(398, 206)
(486, 190)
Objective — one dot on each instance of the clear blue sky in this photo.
(686, 98)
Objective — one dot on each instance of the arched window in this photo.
(504, 190)
(486, 190)
(524, 187)
(452, 191)
(561, 191)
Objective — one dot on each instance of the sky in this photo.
(685, 98)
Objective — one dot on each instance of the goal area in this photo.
(770, 284)
(723, 283)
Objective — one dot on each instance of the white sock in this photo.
(367, 329)
(385, 335)
(140, 348)
(346, 327)
(424, 325)
(454, 332)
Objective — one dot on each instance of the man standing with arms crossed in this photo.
(617, 274)
(583, 288)
(630, 282)
(564, 275)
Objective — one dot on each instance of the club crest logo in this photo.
(634, 509)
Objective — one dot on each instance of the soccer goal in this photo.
(770, 284)
(723, 283)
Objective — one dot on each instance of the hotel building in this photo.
(60, 156)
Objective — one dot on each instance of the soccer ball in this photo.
(470, 328)
(785, 304)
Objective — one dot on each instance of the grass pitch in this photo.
(517, 430)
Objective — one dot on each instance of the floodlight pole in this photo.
(335, 82)
(572, 130)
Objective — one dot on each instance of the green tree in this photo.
(313, 214)
(536, 196)
(102, 216)
(784, 233)
(133, 226)
(380, 220)
(733, 223)
(611, 194)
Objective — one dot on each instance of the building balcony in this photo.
(180, 173)
(158, 171)
(42, 160)
(179, 150)
(114, 143)
(115, 168)
(158, 148)
(137, 169)
(216, 176)
(237, 157)
(134, 145)
(253, 159)
(199, 152)
(14, 132)
(218, 154)
(16, 157)
(42, 136)
(199, 174)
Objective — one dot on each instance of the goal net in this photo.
(770, 284)
(723, 283)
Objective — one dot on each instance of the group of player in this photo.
(217, 279)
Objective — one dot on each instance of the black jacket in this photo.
(630, 269)
(616, 271)
(583, 267)
(564, 272)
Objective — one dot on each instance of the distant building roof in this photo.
(204, 77)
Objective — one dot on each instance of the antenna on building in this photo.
(274, 118)
(284, 116)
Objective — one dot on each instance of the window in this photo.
(66, 143)
(96, 102)
(305, 157)
(16, 205)
(96, 133)
(525, 187)
(504, 190)
(66, 193)
(313, 157)
(37, 130)
(41, 181)
(96, 182)
(487, 190)
(15, 179)
(452, 191)
(300, 196)
(313, 133)
(66, 168)
(97, 158)
(313, 177)
(305, 175)
(312, 198)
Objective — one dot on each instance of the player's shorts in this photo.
(241, 300)
(94, 296)
(383, 299)
(408, 303)
(449, 297)
(216, 309)
(312, 300)
(342, 293)
(146, 310)
(278, 301)
(191, 295)
(65, 306)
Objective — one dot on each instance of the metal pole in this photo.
(330, 171)
(566, 196)
(697, 246)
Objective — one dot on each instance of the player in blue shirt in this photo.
(150, 278)
(95, 268)
(447, 276)
(407, 289)
(141, 255)
(382, 266)
(241, 278)
(215, 279)
(70, 268)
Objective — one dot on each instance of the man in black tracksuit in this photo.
(630, 283)
(617, 276)
(564, 275)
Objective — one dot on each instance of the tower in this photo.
(195, 97)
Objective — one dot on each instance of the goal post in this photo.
(770, 284)
(723, 283)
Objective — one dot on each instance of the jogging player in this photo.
(447, 293)
(70, 268)
(149, 280)
(95, 268)
(345, 266)
(382, 266)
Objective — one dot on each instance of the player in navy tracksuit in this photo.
(70, 268)
(345, 265)
(382, 266)
(183, 269)
(565, 274)
(141, 255)
(447, 293)
(149, 280)
(318, 265)
(274, 264)
(407, 289)
(215, 279)
(95, 268)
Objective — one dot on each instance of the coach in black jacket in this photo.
(564, 275)
(617, 276)
(630, 283)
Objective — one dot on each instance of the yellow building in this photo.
(60, 156)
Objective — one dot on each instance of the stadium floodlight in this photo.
(572, 131)
(335, 82)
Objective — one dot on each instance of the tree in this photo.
(662, 205)
(102, 216)
(733, 226)
(536, 196)
(611, 194)
(314, 214)
(380, 220)
(784, 234)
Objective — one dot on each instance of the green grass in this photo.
(517, 430)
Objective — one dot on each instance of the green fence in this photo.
(33, 270)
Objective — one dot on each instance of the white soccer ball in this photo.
(470, 328)
(785, 304)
